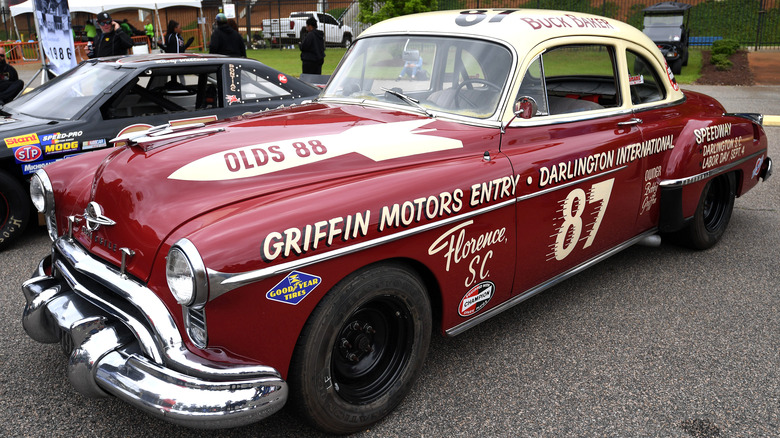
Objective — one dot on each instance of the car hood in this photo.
(20, 124)
(151, 192)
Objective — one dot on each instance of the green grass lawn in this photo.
(289, 60)
(691, 71)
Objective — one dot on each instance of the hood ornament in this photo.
(93, 215)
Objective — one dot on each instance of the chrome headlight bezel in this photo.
(42, 197)
(186, 275)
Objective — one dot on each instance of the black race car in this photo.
(667, 25)
(100, 99)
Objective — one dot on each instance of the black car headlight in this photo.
(186, 274)
(42, 196)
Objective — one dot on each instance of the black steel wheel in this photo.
(713, 212)
(361, 349)
(14, 209)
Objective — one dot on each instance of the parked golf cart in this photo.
(667, 25)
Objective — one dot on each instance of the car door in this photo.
(661, 126)
(580, 188)
(330, 27)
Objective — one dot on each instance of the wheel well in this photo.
(347, 36)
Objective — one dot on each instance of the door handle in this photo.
(630, 122)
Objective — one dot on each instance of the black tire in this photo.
(713, 213)
(676, 66)
(361, 349)
(14, 209)
(346, 41)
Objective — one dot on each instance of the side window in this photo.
(255, 88)
(327, 19)
(643, 80)
(572, 78)
(161, 92)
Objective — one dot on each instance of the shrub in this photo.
(721, 61)
(726, 47)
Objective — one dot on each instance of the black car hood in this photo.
(16, 125)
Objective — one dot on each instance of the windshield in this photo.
(453, 75)
(66, 96)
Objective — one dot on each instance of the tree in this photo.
(373, 12)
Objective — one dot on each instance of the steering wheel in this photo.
(469, 83)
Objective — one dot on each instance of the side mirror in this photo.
(525, 107)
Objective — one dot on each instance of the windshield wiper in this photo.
(410, 100)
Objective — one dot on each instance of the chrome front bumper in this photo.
(122, 342)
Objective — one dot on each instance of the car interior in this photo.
(166, 90)
(575, 78)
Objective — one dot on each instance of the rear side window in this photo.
(643, 80)
(572, 78)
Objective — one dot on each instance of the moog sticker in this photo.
(294, 288)
(476, 298)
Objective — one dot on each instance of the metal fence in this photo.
(753, 23)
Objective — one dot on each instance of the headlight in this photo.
(186, 274)
(42, 196)
(181, 277)
(40, 191)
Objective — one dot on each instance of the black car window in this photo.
(256, 88)
(643, 79)
(572, 78)
(161, 92)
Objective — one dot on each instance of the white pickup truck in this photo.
(293, 29)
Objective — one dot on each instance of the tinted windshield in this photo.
(452, 75)
(68, 95)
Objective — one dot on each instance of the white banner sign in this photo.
(54, 34)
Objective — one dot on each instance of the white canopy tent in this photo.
(95, 7)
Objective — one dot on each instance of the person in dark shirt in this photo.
(312, 48)
(173, 40)
(10, 84)
(225, 40)
(111, 41)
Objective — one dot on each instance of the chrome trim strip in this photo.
(671, 183)
(460, 328)
(221, 283)
(569, 184)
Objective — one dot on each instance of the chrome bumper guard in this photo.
(122, 341)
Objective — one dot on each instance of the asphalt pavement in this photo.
(660, 341)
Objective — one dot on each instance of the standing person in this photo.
(313, 48)
(10, 84)
(90, 30)
(149, 30)
(225, 40)
(112, 41)
(174, 43)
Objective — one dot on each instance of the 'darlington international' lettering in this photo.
(602, 161)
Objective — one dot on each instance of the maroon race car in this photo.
(456, 164)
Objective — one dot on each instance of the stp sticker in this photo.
(294, 288)
(282, 78)
(476, 298)
(26, 154)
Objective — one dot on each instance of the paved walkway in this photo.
(765, 65)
